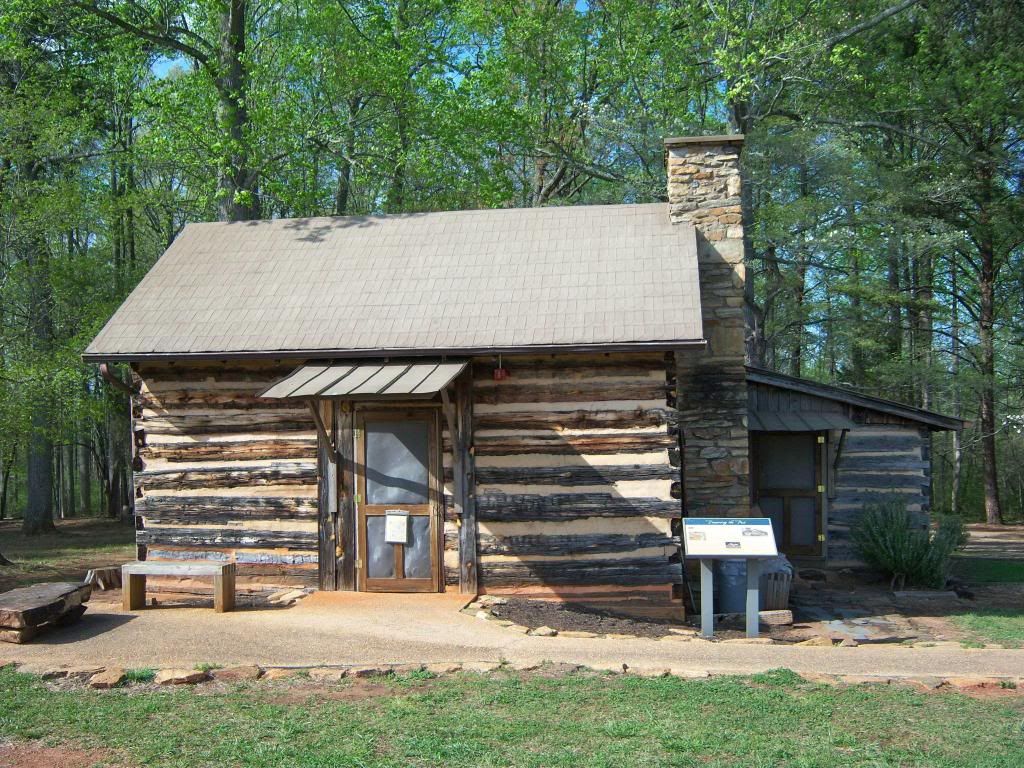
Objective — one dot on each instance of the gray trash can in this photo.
(731, 584)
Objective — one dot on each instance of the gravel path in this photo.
(354, 628)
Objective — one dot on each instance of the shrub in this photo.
(888, 538)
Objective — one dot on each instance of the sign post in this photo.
(716, 538)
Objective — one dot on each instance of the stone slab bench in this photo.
(133, 581)
(26, 611)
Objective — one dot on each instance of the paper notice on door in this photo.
(396, 529)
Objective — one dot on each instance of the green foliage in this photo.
(891, 539)
(141, 675)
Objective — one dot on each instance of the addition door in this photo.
(398, 501)
(788, 489)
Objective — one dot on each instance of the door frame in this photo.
(819, 549)
(430, 413)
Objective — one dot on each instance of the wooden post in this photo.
(224, 589)
(133, 592)
(753, 595)
(465, 483)
(345, 442)
(327, 495)
(707, 598)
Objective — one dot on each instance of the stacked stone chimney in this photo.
(704, 189)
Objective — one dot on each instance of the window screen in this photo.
(786, 461)
(396, 462)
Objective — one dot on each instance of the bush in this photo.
(889, 538)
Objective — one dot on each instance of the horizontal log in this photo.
(586, 391)
(904, 463)
(576, 419)
(858, 498)
(505, 445)
(588, 475)
(623, 572)
(185, 509)
(227, 476)
(226, 423)
(500, 507)
(258, 563)
(235, 538)
(234, 450)
(567, 367)
(210, 398)
(862, 442)
(872, 480)
(578, 544)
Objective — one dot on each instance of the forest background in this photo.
(882, 197)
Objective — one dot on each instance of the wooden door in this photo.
(398, 501)
(787, 476)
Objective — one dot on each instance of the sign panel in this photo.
(729, 537)
(396, 527)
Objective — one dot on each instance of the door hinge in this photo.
(821, 537)
(338, 551)
(821, 439)
(821, 489)
(359, 563)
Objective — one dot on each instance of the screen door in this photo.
(787, 471)
(398, 502)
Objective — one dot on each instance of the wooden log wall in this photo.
(226, 476)
(881, 459)
(577, 474)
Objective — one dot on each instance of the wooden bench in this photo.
(133, 581)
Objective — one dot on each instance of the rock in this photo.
(576, 633)
(237, 674)
(180, 676)
(279, 673)
(326, 674)
(492, 600)
(275, 596)
(108, 678)
(848, 642)
(929, 683)
(691, 674)
(406, 669)
(481, 667)
(502, 622)
(295, 594)
(651, 671)
(677, 638)
(443, 668)
(367, 671)
(54, 674)
(83, 673)
(485, 615)
(680, 631)
(4, 663)
(974, 682)
(526, 666)
(544, 632)
(775, 618)
(750, 641)
(619, 636)
(817, 641)
(866, 679)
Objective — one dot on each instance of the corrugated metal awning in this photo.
(797, 421)
(367, 381)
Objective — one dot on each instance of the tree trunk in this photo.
(84, 479)
(238, 198)
(988, 424)
(958, 458)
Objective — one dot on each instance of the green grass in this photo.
(995, 625)
(143, 675)
(773, 719)
(77, 546)
(984, 570)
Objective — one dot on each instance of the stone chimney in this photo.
(704, 189)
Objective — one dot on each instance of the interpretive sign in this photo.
(722, 537)
(396, 529)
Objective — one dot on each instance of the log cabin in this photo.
(520, 400)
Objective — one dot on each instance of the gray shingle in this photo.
(461, 280)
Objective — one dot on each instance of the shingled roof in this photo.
(460, 282)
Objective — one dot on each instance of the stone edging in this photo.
(116, 677)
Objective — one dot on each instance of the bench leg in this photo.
(133, 592)
(224, 591)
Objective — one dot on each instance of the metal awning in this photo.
(367, 381)
(797, 421)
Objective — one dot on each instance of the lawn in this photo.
(995, 625)
(514, 720)
(985, 570)
(77, 546)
